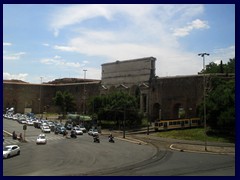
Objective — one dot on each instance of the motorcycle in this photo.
(110, 139)
(73, 135)
(96, 139)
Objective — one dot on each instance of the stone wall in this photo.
(170, 94)
(129, 72)
(39, 97)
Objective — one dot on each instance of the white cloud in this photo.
(223, 54)
(46, 44)
(21, 76)
(13, 56)
(134, 31)
(58, 61)
(7, 44)
(196, 24)
(65, 48)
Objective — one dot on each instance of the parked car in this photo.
(92, 132)
(46, 129)
(11, 150)
(29, 122)
(69, 127)
(22, 121)
(41, 139)
(61, 130)
(78, 131)
(83, 128)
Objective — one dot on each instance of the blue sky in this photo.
(59, 41)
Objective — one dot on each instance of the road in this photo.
(78, 157)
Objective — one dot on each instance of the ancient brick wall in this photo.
(39, 96)
(168, 95)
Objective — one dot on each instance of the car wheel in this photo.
(18, 153)
(8, 156)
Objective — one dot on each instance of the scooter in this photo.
(110, 139)
(96, 139)
(73, 135)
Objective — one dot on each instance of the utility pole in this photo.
(40, 96)
(204, 98)
(124, 122)
(84, 93)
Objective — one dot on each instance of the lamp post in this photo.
(204, 98)
(84, 93)
(40, 96)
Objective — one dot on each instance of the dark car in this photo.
(69, 127)
(60, 130)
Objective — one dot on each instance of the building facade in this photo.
(160, 97)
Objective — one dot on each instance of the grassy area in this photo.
(196, 134)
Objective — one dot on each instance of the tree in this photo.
(220, 105)
(65, 101)
(220, 101)
(221, 68)
(113, 107)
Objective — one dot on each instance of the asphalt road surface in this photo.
(82, 157)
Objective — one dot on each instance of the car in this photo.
(46, 129)
(11, 150)
(78, 131)
(29, 122)
(92, 132)
(61, 130)
(41, 139)
(82, 128)
(69, 127)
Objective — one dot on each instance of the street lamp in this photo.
(204, 98)
(40, 96)
(84, 93)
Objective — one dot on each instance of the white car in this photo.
(41, 139)
(78, 131)
(46, 129)
(29, 122)
(11, 150)
(83, 129)
(92, 132)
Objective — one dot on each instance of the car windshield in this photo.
(6, 148)
(41, 137)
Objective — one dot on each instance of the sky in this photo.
(43, 42)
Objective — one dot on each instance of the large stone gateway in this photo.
(160, 97)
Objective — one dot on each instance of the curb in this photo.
(184, 149)
(10, 134)
(132, 141)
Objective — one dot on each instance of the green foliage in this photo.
(220, 101)
(220, 68)
(220, 105)
(65, 101)
(116, 106)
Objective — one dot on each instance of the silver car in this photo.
(11, 150)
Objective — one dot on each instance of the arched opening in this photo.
(156, 113)
(178, 111)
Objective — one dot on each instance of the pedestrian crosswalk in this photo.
(9, 140)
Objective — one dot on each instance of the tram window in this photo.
(186, 122)
(170, 123)
(174, 123)
(156, 124)
(160, 124)
(178, 122)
